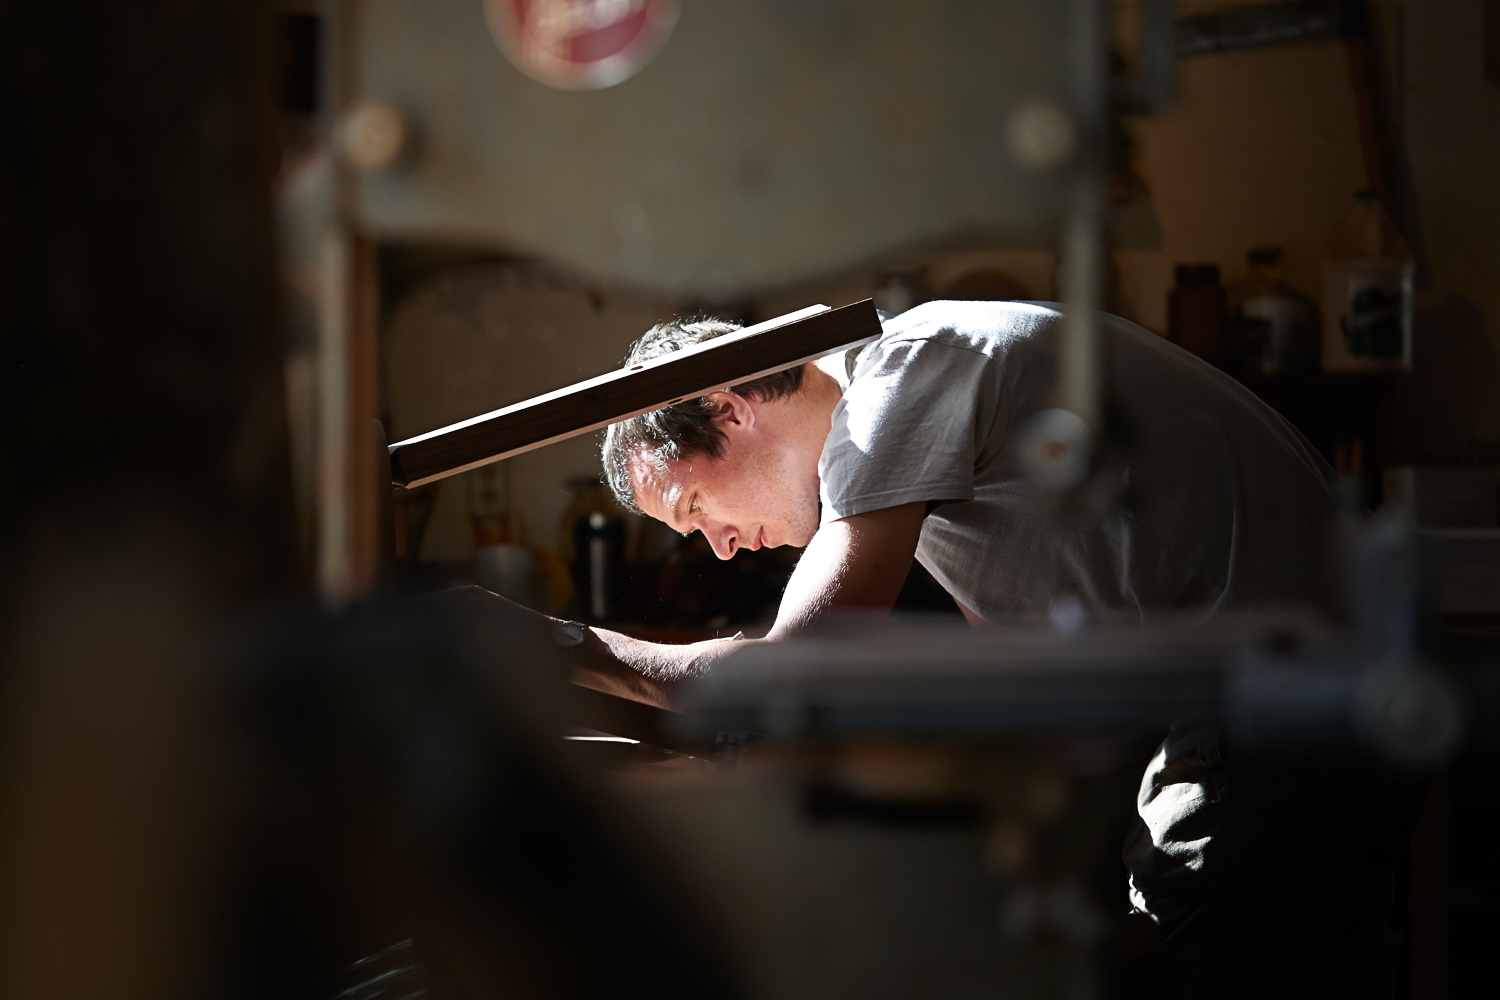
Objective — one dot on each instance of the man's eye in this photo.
(693, 507)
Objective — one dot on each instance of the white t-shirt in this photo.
(1224, 502)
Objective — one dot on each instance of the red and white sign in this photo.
(581, 44)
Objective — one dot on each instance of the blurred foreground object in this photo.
(142, 380)
(1444, 497)
(197, 808)
(416, 788)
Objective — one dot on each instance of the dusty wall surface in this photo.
(480, 337)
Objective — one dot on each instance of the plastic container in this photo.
(1368, 277)
(1281, 323)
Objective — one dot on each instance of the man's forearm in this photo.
(857, 563)
(646, 671)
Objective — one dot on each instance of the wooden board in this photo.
(772, 346)
(607, 713)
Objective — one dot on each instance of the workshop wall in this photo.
(1452, 132)
(482, 336)
(1261, 148)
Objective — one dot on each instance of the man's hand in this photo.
(858, 562)
(594, 663)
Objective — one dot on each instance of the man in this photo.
(908, 448)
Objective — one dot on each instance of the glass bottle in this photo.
(1368, 277)
(1196, 309)
(502, 562)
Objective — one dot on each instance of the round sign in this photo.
(580, 44)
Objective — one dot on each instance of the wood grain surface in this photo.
(772, 346)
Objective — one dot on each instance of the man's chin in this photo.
(798, 539)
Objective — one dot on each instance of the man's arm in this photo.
(855, 562)
(858, 562)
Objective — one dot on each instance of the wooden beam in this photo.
(772, 346)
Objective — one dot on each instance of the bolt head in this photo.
(1041, 135)
(373, 136)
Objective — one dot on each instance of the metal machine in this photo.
(229, 774)
(895, 810)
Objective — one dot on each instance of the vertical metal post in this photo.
(1081, 377)
(347, 520)
(335, 479)
(1080, 370)
(1060, 446)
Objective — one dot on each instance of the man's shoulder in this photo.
(989, 329)
(980, 326)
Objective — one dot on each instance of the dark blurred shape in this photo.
(389, 974)
(175, 828)
(411, 510)
(594, 548)
(1196, 310)
(829, 804)
(691, 588)
(1154, 83)
(921, 593)
(417, 788)
(599, 569)
(1268, 24)
(141, 369)
(1492, 40)
(297, 63)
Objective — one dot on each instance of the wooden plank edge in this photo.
(623, 373)
(400, 478)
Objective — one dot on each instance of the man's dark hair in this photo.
(686, 428)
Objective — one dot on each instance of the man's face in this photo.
(762, 491)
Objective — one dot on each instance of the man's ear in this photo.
(731, 411)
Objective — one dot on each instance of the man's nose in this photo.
(725, 540)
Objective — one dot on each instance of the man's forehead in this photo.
(658, 484)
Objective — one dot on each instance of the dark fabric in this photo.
(1299, 906)
(1178, 831)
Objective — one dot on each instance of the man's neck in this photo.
(823, 389)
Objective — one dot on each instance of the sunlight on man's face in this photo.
(746, 499)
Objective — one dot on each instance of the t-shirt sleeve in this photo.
(908, 428)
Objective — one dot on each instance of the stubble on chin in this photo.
(809, 516)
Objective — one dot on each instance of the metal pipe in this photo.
(1083, 233)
